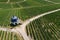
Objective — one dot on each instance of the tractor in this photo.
(15, 21)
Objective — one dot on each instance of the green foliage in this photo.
(57, 1)
(8, 36)
(16, 0)
(45, 28)
(3, 0)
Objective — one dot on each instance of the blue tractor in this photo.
(15, 21)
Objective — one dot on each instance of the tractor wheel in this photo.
(15, 24)
(20, 24)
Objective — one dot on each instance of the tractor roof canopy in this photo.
(14, 19)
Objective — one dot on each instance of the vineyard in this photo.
(21, 9)
(43, 28)
(57, 1)
(6, 14)
(9, 36)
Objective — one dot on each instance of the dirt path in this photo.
(22, 28)
(15, 2)
(8, 1)
(52, 2)
(7, 29)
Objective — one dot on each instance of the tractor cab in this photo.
(15, 21)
